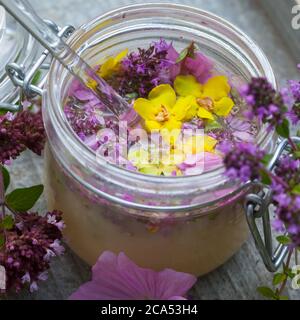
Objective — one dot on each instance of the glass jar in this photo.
(17, 47)
(191, 223)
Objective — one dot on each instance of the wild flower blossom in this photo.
(286, 195)
(265, 103)
(21, 131)
(242, 160)
(143, 70)
(294, 94)
(116, 277)
(29, 247)
(190, 62)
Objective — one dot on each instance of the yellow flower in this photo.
(212, 97)
(109, 67)
(166, 162)
(141, 159)
(199, 144)
(162, 111)
(112, 64)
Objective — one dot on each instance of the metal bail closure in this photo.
(24, 79)
(258, 208)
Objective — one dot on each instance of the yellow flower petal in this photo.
(107, 68)
(112, 64)
(146, 109)
(121, 56)
(205, 114)
(199, 144)
(223, 107)
(188, 86)
(172, 124)
(209, 143)
(163, 95)
(152, 170)
(174, 157)
(192, 112)
(92, 84)
(182, 106)
(170, 130)
(139, 157)
(216, 88)
(152, 125)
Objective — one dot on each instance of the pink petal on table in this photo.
(116, 277)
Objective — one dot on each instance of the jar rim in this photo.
(56, 112)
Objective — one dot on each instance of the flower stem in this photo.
(285, 266)
(279, 180)
(293, 144)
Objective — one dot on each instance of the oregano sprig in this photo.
(28, 241)
(246, 162)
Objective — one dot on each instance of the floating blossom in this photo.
(112, 65)
(143, 70)
(161, 110)
(85, 121)
(21, 131)
(116, 277)
(28, 248)
(212, 98)
(264, 102)
(243, 161)
(191, 63)
(198, 163)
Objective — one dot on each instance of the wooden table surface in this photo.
(241, 275)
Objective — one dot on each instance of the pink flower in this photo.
(199, 66)
(116, 277)
(199, 163)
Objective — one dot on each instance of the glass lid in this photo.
(17, 46)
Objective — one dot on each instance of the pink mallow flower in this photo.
(199, 66)
(116, 277)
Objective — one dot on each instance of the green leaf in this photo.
(2, 240)
(283, 129)
(131, 96)
(283, 240)
(183, 54)
(283, 298)
(289, 273)
(212, 125)
(278, 278)
(297, 154)
(266, 159)
(296, 189)
(22, 200)
(37, 77)
(7, 223)
(6, 177)
(265, 178)
(267, 292)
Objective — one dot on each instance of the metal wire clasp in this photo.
(23, 79)
(258, 208)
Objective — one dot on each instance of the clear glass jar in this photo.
(192, 223)
(18, 47)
